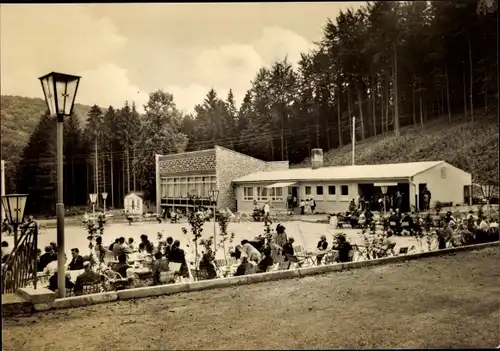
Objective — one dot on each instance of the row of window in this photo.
(332, 190)
(263, 194)
(276, 194)
(184, 187)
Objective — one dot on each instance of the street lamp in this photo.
(104, 197)
(13, 206)
(214, 196)
(60, 90)
(93, 199)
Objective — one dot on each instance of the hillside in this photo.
(471, 147)
(19, 117)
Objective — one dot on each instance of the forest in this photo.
(389, 65)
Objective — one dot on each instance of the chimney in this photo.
(316, 158)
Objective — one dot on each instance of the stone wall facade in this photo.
(231, 165)
(186, 163)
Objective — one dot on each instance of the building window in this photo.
(319, 190)
(331, 189)
(308, 190)
(443, 172)
(261, 193)
(133, 205)
(248, 193)
(276, 194)
(344, 190)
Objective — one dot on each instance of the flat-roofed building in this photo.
(185, 179)
(333, 188)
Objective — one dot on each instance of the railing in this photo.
(21, 266)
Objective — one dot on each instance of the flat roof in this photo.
(357, 172)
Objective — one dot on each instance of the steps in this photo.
(13, 304)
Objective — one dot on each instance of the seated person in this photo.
(177, 255)
(160, 265)
(249, 251)
(122, 266)
(100, 250)
(322, 247)
(77, 260)
(88, 277)
(343, 247)
(147, 244)
(387, 244)
(120, 248)
(266, 262)
(53, 282)
(280, 237)
(244, 267)
(448, 218)
(207, 267)
(395, 223)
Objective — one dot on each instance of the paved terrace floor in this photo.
(444, 302)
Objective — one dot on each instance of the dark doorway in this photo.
(370, 194)
(421, 188)
(404, 189)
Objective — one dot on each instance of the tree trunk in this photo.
(387, 98)
(413, 101)
(128, 170)
(374, 107)
(88, 179)
(96, 165)
(382, 105)
(442, 102)
(133, 163)
(465, 92)
(421, 107)
(124, 191)
(349, 109)
(485, 90)
(272, 149)
(104, 174)
(112, 180)
(425, 108)
(471, 106)
(396, 93)
(447, 91)
(361, 117)
(339, 125)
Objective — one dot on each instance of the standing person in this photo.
(302, 207)
(398, 201)
(289, 201)
(308, 206)
(280, 238)
(313, 205)
(427, 199)
(267, 210)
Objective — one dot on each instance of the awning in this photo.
(280, 185)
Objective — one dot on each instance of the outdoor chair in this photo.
(304, 257)
(282, 266)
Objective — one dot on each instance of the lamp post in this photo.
(93, 199)
(104, 197)
(60, 90)
(13, 206)
(214, 196)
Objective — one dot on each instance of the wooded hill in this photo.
(390, 65)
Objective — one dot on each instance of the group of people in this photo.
(306, 206)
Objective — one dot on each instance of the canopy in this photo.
(280, 185)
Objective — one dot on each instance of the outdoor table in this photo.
(74, 274)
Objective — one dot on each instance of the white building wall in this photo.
(324, 203)
(444, 187)
(134, 204)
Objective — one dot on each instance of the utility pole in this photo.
(96, 189)
(112, 181)
(353, 139)
(133, 163)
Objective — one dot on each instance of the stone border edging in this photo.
(150, 291)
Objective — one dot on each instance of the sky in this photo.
(125, 51)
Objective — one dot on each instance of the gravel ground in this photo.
(305, 234)
(445, 302)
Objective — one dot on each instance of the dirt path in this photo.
(446, 302)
